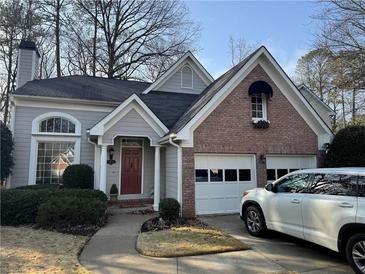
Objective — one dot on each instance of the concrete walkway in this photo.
(112, 250)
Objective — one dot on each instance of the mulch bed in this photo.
(157, 224)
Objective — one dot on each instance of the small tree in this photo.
(7, 146)
(347, 148)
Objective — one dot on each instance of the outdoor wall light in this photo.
(262, 158)
(111, 155)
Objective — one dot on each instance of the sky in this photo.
(286, 28)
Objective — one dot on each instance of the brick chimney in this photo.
(28, 63)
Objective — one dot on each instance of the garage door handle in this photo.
(346, 205)
(295, 201)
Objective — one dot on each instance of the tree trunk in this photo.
(343, 108)
(353, 108)
(57, 34)
(94, 39)
(8, 88)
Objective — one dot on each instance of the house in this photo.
(185, 136)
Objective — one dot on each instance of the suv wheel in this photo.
(355, 253)
(254, 220)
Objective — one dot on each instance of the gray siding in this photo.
(171, 172)
(131, 124)
(28, 62)
(22, 138)
(173, 84)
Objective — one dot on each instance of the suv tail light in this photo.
(244, 193)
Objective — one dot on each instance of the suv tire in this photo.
(355, 253)
(254, 221)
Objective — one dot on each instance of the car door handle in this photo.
(295, 201)
(346, 205)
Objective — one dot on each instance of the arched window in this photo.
(187, 77)
(55, 145)
(57, 125)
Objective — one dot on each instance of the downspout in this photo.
(179, 168)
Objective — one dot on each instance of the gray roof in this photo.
(167, 106)
(208, 94)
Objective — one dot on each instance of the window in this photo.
(245, 174)
(216, 175)
(55, 144)
(334, 184)
(56, 125)
(271, 175)
(201, 175)
(230, 175)
(187, 77)
(258, 106)
(293, 184)
(282, 172)
(53, 158)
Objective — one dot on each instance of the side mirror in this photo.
(269, 187)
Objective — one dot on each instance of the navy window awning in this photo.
(259, 87)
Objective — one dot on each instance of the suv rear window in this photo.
(361, 184)
(334, 184)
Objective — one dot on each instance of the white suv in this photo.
(324, 206)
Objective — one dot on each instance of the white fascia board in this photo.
(63, 103)
(99, 128)
(313, 95)
(186, 133)
(203, 72)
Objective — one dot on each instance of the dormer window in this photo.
(187, 77)
(259, 92)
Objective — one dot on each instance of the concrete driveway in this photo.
(288, 252)
(112, 250)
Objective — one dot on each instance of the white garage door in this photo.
(221, 180)
(279, 165)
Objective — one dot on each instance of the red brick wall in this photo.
(228, 129)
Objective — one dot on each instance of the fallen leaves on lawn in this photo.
(27, 250)
(186, 241)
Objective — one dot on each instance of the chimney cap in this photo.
(28, 45)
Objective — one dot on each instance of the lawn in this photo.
(27, 250)
(186, 241)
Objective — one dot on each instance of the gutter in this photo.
(179, 167)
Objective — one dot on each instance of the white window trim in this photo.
(38, 137)
(40, 118)
(264, 110)
(192, 75)
(35, 140)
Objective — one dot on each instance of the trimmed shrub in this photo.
(65, 211)
(83, 193)
(169, 209)
(347, 148)
(114, 189)
(40, 186)
(20, 206)
(78, 176)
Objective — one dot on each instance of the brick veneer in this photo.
(228, 129)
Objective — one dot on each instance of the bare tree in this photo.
(136, 32)
(239, 49)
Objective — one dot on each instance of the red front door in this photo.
(131, 170)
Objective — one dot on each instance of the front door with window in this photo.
(131, 170)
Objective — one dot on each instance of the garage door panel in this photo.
(222, 197)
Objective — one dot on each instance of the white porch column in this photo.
(156, 196)
(103, 159)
